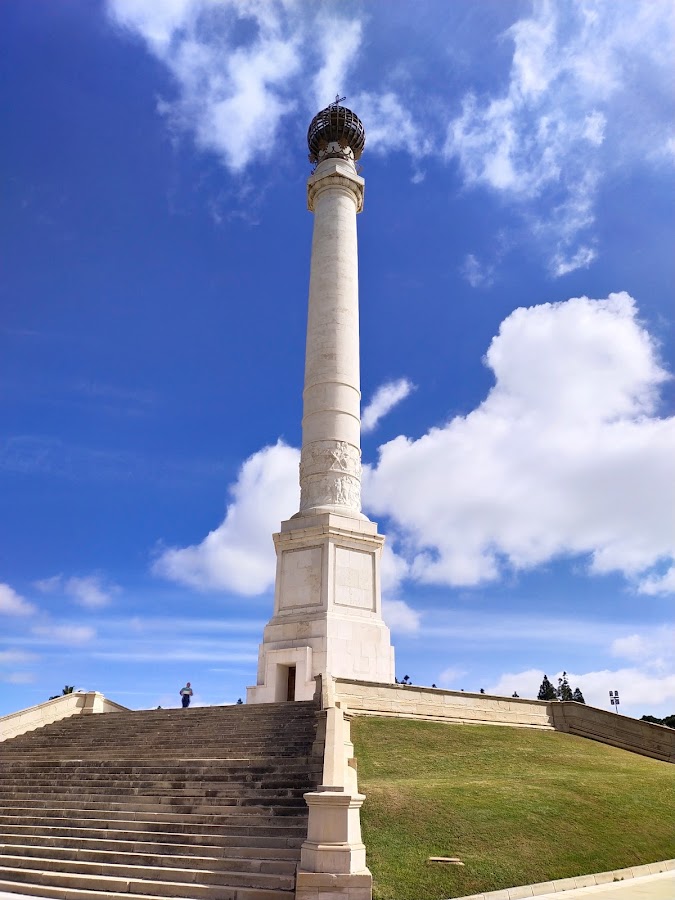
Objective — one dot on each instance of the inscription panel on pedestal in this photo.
(354, 578)
(300, 578)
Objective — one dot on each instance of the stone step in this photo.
(248, 838)
(184, 738)
(42, 843)
(154, 829)
(67, 765)
(211, 862)
(193, 804)
(229, 792)
(245, 797)
(187, 818)
(152, 873)
(63, 886)
(152, 753)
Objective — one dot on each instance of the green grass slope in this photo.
(516, 805)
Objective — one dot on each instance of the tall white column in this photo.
(327, 605)
(330, 467)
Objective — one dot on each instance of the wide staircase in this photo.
(184, 803)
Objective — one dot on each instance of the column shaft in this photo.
(330, 468)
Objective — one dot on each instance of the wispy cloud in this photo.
(240, 67)
(13, 604)
(657, 583)
(567, 115)
(540, 140)
(18, 677)
(63, 634)
(384, 400)
(401, 617)
(41, 455)
(476, 273)
(89, 591)
(16, 657)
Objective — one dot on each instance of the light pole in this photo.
(614, 699)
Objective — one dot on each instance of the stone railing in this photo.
(645, 738)
(367, 698)
(52, 710)
(333, 858)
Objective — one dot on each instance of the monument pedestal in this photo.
(327, 609)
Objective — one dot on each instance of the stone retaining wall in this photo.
(52, 710)
(646, 738)
(368, 698)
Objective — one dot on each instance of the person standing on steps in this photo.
(185, 694)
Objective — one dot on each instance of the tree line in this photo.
(563, 692)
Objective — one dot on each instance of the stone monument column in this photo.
(327, 609)
(330, 466)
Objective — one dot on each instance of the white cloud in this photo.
(639, 691)
(525, 684)
(49, 585)
(577, 70)
(476, 273)
(13, 604)
(384, 400)
(654, 649)
(394, 569)
(563, 458)
(658, 584)
(570, 111)
(390, 126)
(89, 591)
(239, 66)
(400, 617)
(339, 41)
(239, 555)
(581, 259)
(15, 657)
(65, 634)
(18, 678)
(451, 677)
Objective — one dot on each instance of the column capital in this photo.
(335, 173)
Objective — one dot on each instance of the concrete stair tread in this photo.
(213, 863)
(279, 840)
(100, 888)
(44, 843)
(154, 874)
(177, 806)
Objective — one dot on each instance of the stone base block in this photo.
(320, 886)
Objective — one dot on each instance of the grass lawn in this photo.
(516, 805)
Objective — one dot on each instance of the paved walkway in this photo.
(648, 887)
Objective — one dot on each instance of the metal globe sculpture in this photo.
(335, 131)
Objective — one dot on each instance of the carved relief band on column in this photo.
(330, 473)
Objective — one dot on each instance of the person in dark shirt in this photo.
(185, 694)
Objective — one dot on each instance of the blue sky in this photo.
(516, 282)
